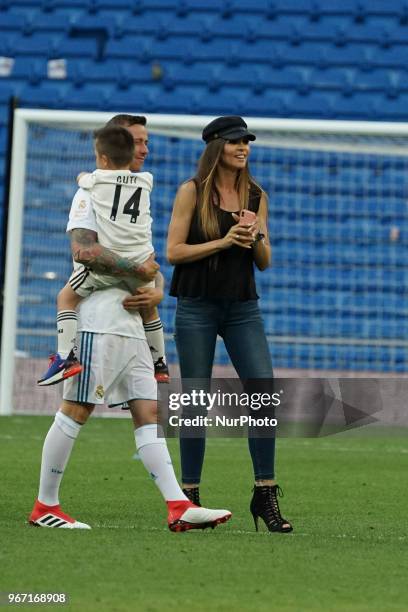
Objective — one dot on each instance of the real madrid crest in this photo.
(99, 392)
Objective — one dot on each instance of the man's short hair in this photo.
(127, 120)
(116, 143)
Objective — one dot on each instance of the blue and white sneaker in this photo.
(60, 369)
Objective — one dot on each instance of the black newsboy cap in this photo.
(229, 128)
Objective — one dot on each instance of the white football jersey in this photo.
(102, 312)
(121, 202)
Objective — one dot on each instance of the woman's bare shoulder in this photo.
(188, 187)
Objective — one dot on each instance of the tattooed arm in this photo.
(86, 250)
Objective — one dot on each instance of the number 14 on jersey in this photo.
(131, 207)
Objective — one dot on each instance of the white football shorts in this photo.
(116, 369)
(83, 281)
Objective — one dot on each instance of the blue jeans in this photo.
(198, 322)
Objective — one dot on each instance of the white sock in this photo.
(67, 329)
(154, 455)
(155, 338)
(56, 451)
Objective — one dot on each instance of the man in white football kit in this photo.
(117, 369)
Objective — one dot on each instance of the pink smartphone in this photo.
(246, 217)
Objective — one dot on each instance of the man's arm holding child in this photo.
(146, 297)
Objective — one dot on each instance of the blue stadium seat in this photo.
(312, 105)
(56, 243)
(192, 25)
(38, 267)
(179, 73)
(47, 223)
(124, 48)
(44, 94)
(5, 4)
(126, 73)
(56, 46)
(98, 98)
(50, 22)
(276, 103)
(10, 22)
(32, 70)
(49, 6)
(391, 109)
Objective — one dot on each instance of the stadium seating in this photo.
(296, 53)
(343, 59)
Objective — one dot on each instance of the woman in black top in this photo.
(216, 294)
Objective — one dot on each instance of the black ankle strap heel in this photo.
(193, 495)
(265, 504)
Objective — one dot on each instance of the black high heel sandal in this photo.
(264, 504)
(193, 495)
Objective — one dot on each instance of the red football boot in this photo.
(52, 516)
(184, 515)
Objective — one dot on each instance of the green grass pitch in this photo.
(346, 496)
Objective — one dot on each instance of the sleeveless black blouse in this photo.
(228, 274)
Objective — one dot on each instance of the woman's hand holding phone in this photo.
(248, 219)
(242, 234)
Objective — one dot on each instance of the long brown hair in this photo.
(208, 197)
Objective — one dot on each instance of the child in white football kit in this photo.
(120, 201)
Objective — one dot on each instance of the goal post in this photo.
(335, 297)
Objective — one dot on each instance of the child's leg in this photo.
(154, 333)
(153, 328)
(67, 302)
